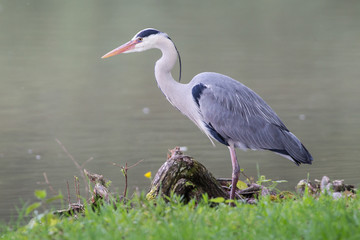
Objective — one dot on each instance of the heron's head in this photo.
(142, 41)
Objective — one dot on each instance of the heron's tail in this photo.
(293, 149)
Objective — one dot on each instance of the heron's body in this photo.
(223, 108)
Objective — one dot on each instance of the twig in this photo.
(68, 191)
(87, 161)
(135, 164)
(115, 164)
(126, 182)
(77, 190)
(78, 187)
(80, 168)
(124, 170)
(67, 153)
(239, 196)
(243, 173)
(48, 183)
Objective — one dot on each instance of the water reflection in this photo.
(302, 58)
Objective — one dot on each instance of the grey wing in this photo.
(235, 114)
(239, 115)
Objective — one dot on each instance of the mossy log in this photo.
(186, 177)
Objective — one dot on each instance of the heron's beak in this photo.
(123, 48)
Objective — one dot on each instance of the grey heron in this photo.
(223, 108)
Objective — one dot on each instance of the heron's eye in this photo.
(140, 39)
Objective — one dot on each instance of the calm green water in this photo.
(302, 57)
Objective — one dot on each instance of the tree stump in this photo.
(186, 177)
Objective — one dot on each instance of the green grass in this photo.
(304, 218)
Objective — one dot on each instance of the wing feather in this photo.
(242, 117)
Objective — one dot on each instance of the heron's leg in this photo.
(235, 172)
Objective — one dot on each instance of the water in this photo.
(302, 57)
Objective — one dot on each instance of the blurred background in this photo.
(302, 57)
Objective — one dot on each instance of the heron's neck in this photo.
(163, 68)
(177, 93)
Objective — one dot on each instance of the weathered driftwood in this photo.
(73, 210)
(100, 193)
(186, 177)
(336, 188)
